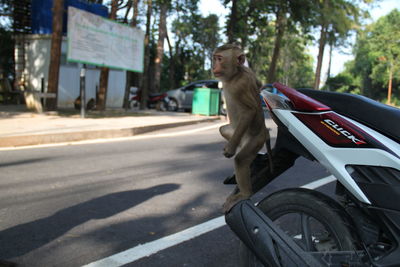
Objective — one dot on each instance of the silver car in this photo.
(182, 98)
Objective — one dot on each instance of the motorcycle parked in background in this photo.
(158, 101)
(358, 141)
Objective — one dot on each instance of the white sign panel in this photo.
(98, 41)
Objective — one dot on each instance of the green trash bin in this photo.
(205, 101)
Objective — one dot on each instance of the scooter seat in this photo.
(382, 118)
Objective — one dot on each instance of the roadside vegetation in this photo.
(276, 35)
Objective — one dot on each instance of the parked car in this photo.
(182, 98)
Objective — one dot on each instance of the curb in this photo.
(40, 139)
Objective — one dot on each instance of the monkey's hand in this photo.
(229, 150)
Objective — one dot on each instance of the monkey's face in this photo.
(224, 65)
(217, 66)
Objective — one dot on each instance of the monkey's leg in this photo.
(243, 161)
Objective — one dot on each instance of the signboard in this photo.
(98, 41)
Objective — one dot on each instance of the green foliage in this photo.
(385, 46)
(195, 38)
(296, 64)
(295, 67)
(6, 41)
(343, 83)
(377, 52)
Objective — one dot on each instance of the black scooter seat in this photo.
(380, 117)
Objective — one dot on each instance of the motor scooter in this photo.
(357, 140)
(158, 101)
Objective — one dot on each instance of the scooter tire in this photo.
(312, 203)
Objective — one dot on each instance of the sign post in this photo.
(82, 90)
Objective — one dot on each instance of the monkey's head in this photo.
(227, 61)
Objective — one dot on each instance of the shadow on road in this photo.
(23, 238)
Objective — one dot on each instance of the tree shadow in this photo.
(126, 234)
(22, 162)
(21, 239)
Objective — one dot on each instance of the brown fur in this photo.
(246, 133)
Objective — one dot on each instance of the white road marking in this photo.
(117, 139)
(150, 248)
(153, 247)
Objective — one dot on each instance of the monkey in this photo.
(246, 133)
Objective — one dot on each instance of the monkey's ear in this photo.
(241, 59)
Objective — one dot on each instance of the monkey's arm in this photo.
(248, 111)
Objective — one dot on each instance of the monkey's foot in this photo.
(230, 179)
(232, 200)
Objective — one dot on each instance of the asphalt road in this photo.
(76, 204)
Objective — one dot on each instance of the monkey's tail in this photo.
(269, 151)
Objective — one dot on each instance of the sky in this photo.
(338, 57)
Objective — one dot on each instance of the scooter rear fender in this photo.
(274, 248)
(270, 244)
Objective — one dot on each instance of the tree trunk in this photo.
(55, 53)
(102, 95)
(131, 77)
(171, 65)
(389, 96)
(128, 9)
(145, 80)
(232, 23)
(328, 74)
(162, 32)
(280, 30)
(322, 41)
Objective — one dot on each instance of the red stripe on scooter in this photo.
(300, 101)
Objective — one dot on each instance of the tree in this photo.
(344, 83)
(336, 18)
(289, 17)
(131, 77)
(6, 53)
(162, 33)
(375, 66)
(280, 22)
(6, 40)
(145, 80)
(55, 53)
(385, 48)
(232, 22)
(295, 67)
(5, 13)
(102, 94)
(195, 39)
(243, 18)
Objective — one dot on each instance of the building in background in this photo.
(33, 28)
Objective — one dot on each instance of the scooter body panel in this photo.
(365, 160)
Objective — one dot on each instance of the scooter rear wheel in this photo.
(314, 221)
